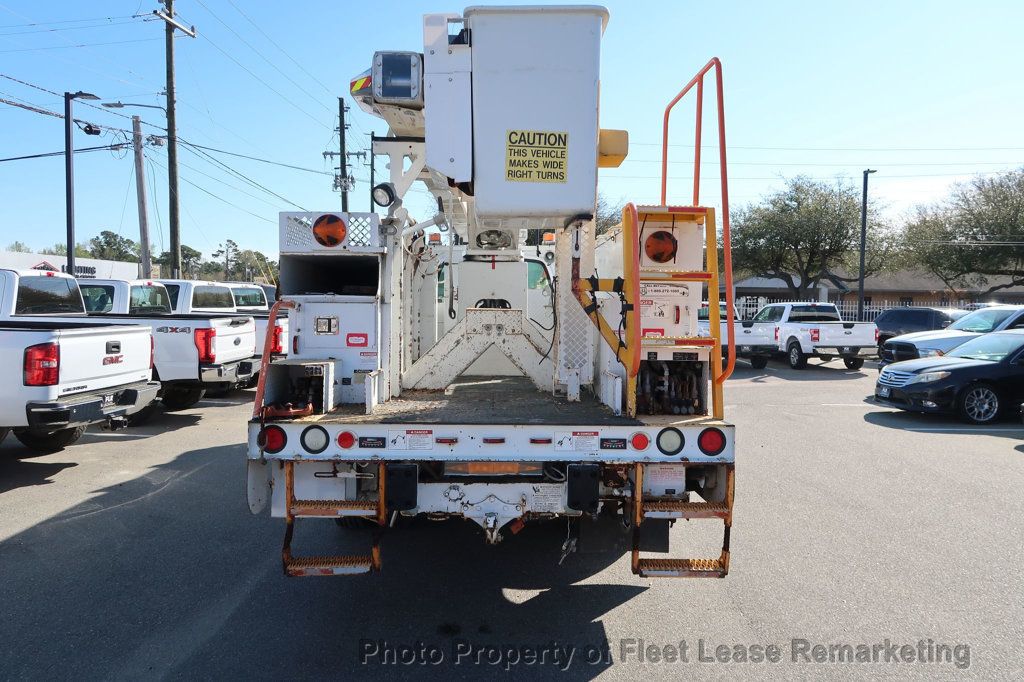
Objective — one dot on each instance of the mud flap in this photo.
(259, 485)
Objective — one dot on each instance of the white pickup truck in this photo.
(251, 299)
(704, 321)
(64, 375)
(195, 352)
(798, 331)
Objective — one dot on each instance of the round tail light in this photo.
(315, 439)
(711, 442)
(272, 439)
(639, 441)
(346, 439)
(670, 441)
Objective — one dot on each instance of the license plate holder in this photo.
(883, 392)
(107, 400)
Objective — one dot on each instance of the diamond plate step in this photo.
(673, 509)
(334, 508)
(328, 565)
(682, 568)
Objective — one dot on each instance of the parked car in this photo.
(251, 299)
(908, 320)
(62, 371)
(196, 353)
(979, 379)
(196, 296)
(941, 341)
(798, 331)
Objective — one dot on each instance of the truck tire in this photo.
(54, 441)
(797, 358)
(182, 398)
(979, 404)
(853, 363)
(758, 362)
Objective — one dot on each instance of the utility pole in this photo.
(140, 193)
(863, 245)
(373, 177)
(342, 181)
(172, 134)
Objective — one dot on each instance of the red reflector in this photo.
(711, 441)
(42, 365)
(541, 441)
(295, 345)
(446, 441)
(275, 341)
(204, 344)
(815, 335)
(272, 439)
(152, 351)
(346, 439)
(493, 441)
(639, 441)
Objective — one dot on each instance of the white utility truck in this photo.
(798, 331)
(195, 352)
(61, 375)
(417, 381)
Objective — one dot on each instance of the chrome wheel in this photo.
(981, 404)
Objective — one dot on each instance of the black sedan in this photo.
(978, 380)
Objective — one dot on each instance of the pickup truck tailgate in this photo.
(842, 334)
(753, 334)
(235, 338)
(102, 357)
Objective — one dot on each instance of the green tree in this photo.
(808, 233)
(252, 264)
(228, 251)
(190, 260)
(59, 249)
(975, 238)
(20, 247)
(112, 246)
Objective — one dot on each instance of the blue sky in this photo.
(928, 93)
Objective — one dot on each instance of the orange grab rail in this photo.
(631, 240)
(257, 403)
(698, 80)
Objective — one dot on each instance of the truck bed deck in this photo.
(491, 400)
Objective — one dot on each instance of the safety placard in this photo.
(536, 156)
(411, 439)
(580, 441)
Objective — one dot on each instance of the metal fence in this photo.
(747, 306)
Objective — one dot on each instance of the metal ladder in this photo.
(349, 564)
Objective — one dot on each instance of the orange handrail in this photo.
(631, 252)
(257, 403)
(698, 80)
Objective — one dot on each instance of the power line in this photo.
(242, 176)
(228, 184)
(67, 21)
(267, 85)
(260, 54)
(219, 198)
(255, 158)
(77, 151)
(839, 149)
(68, 28)
(287, 54)
(66, 47)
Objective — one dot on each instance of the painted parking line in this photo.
(969, 430)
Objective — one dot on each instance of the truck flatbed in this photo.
(500, 400)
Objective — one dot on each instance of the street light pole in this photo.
(863, 245)
(69, 174)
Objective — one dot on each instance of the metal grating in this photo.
(575, 330)
(360, 230)
(298, 234)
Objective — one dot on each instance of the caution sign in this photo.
(536, 156)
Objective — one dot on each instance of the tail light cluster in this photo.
(776, 333)
(815, 335)
(711, 442)
(272, 439)
(152, 351)
(276, 343)
(670, 441)
(876, 334)
(42, 365)
(204, 344)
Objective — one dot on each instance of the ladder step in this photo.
(333, 508)
(329, 565)
(682, 568)
(673, 509)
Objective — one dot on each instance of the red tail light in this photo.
(42, 364)
(346, 439)
(276, 345)
(711, 442)
(876, 334)
(639, 441)
(776, 333)
(152, 351)
(815, 335)
(204, 343)
(295, 345)
(272, 439)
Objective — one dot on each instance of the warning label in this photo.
(411, 439)
(536, 156)
(585, 441)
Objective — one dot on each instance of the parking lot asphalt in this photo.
(133, 555)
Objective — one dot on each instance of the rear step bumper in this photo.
(92, 407)
(227, 373)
